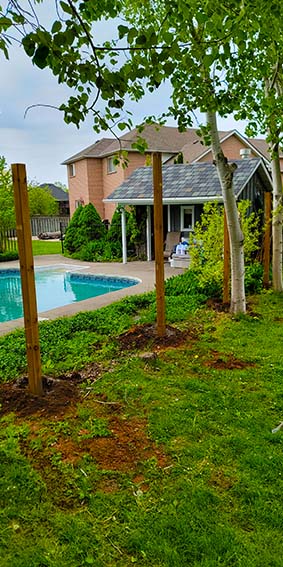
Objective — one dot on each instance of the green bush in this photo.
(70, 242)
(85, 227)
(254, 278)
(90, 226)
(7, 256)
(206, 247)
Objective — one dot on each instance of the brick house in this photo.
(92, 175)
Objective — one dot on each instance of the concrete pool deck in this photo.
(143, 271)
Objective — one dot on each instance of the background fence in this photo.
(48, 224)
(8, 237)
(8, 240)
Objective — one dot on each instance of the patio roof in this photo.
(187, 183)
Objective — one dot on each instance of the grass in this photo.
(42, 247)
(213, 499)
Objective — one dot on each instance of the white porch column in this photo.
(148, 234)
(169, 218)
(124, 235)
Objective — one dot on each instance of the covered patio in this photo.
(186, 187)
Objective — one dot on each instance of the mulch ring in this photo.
(145, 336)
(222, 361)
(59, 394)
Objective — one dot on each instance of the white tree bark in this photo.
(225, 173)
(277, 219)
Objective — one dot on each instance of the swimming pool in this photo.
(55, 287)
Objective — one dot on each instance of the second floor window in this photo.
(111, 167)
(72, 170)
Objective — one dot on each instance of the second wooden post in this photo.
(158, 242)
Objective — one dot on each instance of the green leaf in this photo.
(66, 8)
(57, 26)
(123, 30)
(40, 56)
(5, 22)
(122, 125)
(28, 45)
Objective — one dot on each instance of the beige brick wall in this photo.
(78, 185)
(135, 160)
(231, 148)
(95, 185)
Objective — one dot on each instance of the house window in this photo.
(187, 218)
(79, 203)
(72, 171)
(111, 167)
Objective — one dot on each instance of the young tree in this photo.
(257, 74)
(41, 201)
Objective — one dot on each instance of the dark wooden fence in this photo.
(48, 224)
(8, 240)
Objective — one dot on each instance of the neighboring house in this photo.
(61, 196)
(186, 187)
(93, 176)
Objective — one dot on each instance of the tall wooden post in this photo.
(266, 238)
(27, 278)
(158, 242)
(226, 257)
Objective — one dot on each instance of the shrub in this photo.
(70, 244)
(7, 256)
(90, 225)
(206, 247)
(254, 278)
(84, 228)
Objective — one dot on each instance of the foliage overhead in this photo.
(207, 50)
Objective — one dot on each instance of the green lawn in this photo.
(42, 247)
(169, 462)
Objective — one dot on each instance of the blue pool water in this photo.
(55, 287)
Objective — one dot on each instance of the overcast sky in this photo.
(42, 140)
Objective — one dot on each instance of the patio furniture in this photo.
(172, 239)
(180, 261)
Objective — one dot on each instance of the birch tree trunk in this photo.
(225, 173)
(277, 219)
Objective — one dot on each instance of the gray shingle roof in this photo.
(187, 182)
(56, 192)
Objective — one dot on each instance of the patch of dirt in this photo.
(59, 395)
(142, 336)
(226, 362)
(127, 445)
(221, 481)
(220, 307)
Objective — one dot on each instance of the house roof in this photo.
(187, 183)
(58, 193)
(166, 139)
(95, 150)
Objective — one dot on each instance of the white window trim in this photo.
(112, 168)
(72, 170)
(183, 208)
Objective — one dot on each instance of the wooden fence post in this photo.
(266, 238)
(158, 242)
(27, 278)
(226, 257)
